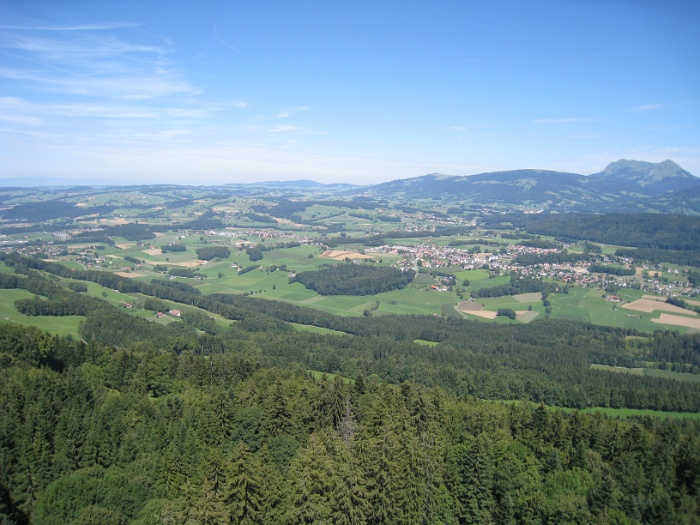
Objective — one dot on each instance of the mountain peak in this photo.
(660, 177)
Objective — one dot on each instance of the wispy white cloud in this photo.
(222, 41)
(84, 27)
(288, 113)
(91, 62)
(256, 128)
(40, 112)
(283, 129)
(567, 120)
(131, 87)
(21, 120)
(117, 101)
(646, 107)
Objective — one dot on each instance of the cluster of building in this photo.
(503, 260)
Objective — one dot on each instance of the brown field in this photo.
(528, 297)
(130, 274)
(153, 251)
(469, 306)
(694, 303)
(483, 313)
(125, 245)
(287, 221)
(619, 369)
(187, 264)
(654, 297)
(116, 221)
(649, 306)
(525, 316)
(108, 222)
(339, 255)
(677, 320)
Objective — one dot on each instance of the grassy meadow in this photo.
(650, 372)
(62, 326)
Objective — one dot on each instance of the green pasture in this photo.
(318, 375)
(315, 329)
(147, 314)
(424, 278)
(615, 412)
(628, 294)
(275, 285)
(610, 249)
(414, 299)
(669, 374)
(479, 279)
(633, 412)
(618, 369)
(651, 372)
(588, 305)
(67, 325)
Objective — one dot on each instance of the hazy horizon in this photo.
(361, 93)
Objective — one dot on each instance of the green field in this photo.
(630, 412)
(67, 325)
(615, 412)
(588, 305)
(221, 276)
(651, 372)
(619, 369)
(329, 377)
(315, 329)
(668, 374)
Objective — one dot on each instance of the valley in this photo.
(292, 326)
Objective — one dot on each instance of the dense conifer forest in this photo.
(353, 279)
(393, 419)
(155, 433)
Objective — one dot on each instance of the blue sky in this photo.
(360, 92)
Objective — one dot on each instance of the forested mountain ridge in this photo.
(623, 186)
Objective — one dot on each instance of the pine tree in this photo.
(278, 420)
(474, 480)
(350, 496)
(208, 508)
(313, 481)
(274, 488)
(360, 385)
(378, 449)
(244, 497)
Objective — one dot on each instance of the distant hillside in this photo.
(647, 177)
(303, 184)
(623, 186)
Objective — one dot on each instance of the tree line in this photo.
(354, 279)
(546, 361)
(143, 434)
(518, 285)
(641, 230)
